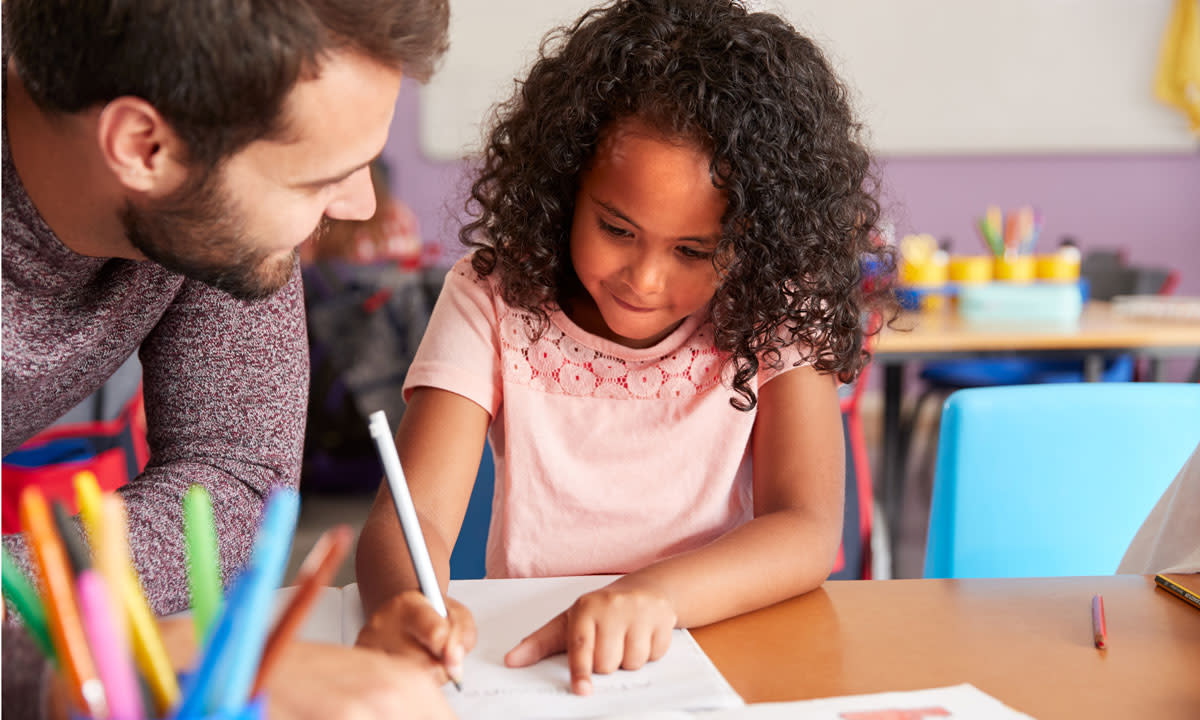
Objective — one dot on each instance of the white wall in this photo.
(931, 76)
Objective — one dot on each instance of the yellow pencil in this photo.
(109, 554)
(148, 649)
(87, 496)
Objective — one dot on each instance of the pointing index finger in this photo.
(581, 651)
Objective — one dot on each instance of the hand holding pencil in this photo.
(406, 621)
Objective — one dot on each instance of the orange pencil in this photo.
(1099, 626)
(314, 573)
(62, 613)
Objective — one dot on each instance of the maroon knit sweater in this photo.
(225, 383)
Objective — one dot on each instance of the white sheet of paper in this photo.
(326, 618)
(507, 610)
(948, 703)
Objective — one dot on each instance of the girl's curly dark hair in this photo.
(798, 228)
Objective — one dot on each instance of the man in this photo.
(161, 163)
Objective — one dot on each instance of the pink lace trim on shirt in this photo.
(556, 363)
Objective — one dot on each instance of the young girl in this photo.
(674, 211)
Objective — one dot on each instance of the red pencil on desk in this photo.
(1099, 626)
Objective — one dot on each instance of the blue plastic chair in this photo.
(1050, 480)
(467, 561)
(1104, 275)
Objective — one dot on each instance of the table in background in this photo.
(1026, 642)
(944, 335)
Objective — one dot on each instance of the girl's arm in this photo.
(786, 550)
(439, 440)
(789, 547)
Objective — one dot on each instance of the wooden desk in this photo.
(1026, 642)
(1099, 334)
(938, 334)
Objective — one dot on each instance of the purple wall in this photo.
(1147, 204)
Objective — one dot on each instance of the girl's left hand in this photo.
(619, 626)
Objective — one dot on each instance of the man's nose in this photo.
(355, 199)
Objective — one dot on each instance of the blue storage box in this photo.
(1043, 303)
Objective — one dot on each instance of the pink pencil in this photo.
(109, 649)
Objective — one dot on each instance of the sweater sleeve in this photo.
(24, 670)
(226, 390)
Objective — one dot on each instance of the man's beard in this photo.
(198, 233)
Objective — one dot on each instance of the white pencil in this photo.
(381, 433)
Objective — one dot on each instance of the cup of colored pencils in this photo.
(93, 623)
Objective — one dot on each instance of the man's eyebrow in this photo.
(700, 239)
(334, 179)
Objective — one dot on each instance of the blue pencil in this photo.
(196, 687)
(269, 561)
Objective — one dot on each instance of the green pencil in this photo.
(204, 569)
(24, 598)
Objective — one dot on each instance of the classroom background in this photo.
(1059, 113)
(969, 106)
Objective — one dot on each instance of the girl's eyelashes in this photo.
(686, 251)
(692, 253)
(613, 230)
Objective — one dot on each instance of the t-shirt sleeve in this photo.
(791, 357)
(460, 349)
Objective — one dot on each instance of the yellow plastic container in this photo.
(932, 275)
(924, 274)
(1059, 267)
(970, 269)
(1016, 269)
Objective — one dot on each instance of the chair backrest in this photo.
(1108, 275)
(1045, 480)
(468, 559)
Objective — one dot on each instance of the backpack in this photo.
(114, 450)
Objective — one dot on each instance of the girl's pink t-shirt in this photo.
(608, 458)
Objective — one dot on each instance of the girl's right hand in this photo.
(407, 626)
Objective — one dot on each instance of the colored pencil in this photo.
(1176, 589)
(204, 569)
(269, 560)
(315, 572)
(87, 497)
(62, 612)
(108, 644)
(199, 684)
(77, 551)
(148, 648)
(24, 598)
(1099, 625)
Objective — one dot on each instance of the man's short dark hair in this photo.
(219, 71)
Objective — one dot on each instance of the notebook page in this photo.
(324, 621)
(507, 610)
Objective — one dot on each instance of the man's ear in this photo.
(140, 148)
